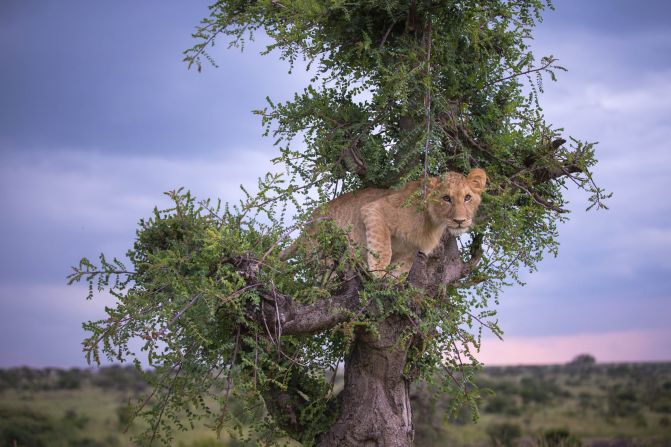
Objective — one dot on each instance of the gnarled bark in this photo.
(375, 409)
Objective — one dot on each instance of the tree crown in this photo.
(401, 90)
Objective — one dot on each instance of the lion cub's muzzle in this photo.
(457, 226)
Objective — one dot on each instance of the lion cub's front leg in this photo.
(378, 240)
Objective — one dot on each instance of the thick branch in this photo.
(283, 316)
(541, 174)
(309, 318)
(443, 266)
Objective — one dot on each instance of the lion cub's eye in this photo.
(467, 198)
(447, 199)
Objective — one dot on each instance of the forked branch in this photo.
(282, 315)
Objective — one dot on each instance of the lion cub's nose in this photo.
(459, 221)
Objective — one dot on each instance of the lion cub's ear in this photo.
(477, 179)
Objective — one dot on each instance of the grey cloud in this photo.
(68, 204)
(110, 77)
(607, 16)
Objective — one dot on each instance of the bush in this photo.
(75, 420)
(504, 434)
(25, 427)
(501, 405)
(623, 402)
(124, 415)
(560, 437)
(533, 390)
(122, 378)
(70, 379)
(582, 360)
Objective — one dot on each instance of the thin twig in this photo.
(229, 381)
(427, 105)
(384, 38)
(165, 403)
(549, 62)
(179, 314)
(193, 59)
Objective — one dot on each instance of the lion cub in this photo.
(393, 226)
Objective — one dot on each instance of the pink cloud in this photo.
(622, 346)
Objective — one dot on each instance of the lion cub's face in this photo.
(454, 199)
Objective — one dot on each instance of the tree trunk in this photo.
(376, 399)
(374, 406)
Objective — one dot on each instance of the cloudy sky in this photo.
(99, 116)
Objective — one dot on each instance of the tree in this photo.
(401, 90)
(582, 360)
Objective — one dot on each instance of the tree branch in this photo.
(443, 266)
(282, 315)
(546, 65)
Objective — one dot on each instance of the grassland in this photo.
(579, 404)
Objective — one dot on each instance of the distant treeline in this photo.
(533, 383)
(114, 377)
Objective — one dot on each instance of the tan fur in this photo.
(394, 224)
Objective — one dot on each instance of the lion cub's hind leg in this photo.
(378, 240)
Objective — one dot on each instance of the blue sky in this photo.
(99, 116)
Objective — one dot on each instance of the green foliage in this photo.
(623, 402)
(26, 427)
(504, 434)
(190, 306)
(560, 437)
(400, 90)
(502, 404)
(125, 415)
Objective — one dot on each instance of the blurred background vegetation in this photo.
(581, 403)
